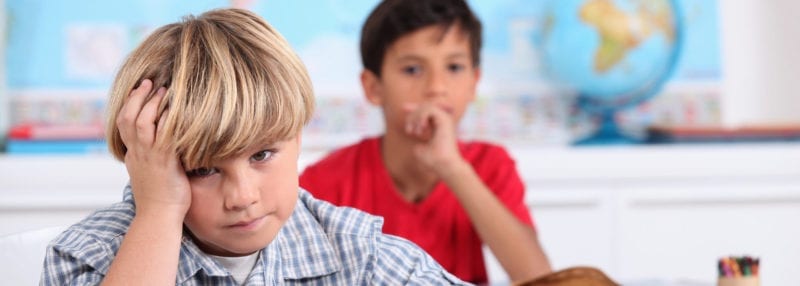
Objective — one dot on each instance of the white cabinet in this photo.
(667, 212)
(639, 213)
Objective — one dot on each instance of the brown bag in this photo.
(574, 276)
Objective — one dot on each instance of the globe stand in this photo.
(608, 133)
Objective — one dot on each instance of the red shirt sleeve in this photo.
(499, 172)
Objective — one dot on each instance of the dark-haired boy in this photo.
(421, 66)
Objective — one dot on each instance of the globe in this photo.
(613, 53)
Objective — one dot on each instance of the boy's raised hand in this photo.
(436, 130)
(158, 181)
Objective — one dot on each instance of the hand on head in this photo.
(158, 180)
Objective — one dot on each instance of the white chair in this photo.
(22, 255)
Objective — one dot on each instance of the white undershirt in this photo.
(239, 267)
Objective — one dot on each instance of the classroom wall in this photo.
(518, 102)
(761, 63)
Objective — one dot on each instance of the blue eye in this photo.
(262, 155)
(201, 172)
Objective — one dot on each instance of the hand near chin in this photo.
(435, 128)
(158, 180)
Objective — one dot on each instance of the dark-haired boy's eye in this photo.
(456, 67)
(201, 172)
(262, 155)
(411, 70)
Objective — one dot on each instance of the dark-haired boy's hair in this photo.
(392, 19)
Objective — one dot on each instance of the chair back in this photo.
(22, 255)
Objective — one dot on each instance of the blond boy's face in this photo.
(430, 65)
(240, 204)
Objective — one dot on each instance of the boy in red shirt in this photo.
(421, 61)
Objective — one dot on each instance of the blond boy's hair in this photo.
(232, 80)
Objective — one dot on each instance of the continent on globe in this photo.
(621, 31)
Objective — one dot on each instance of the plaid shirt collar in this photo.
(300, 250)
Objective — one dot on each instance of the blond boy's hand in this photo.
(158, 180)
(435, 128)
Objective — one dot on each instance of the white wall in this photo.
(761, 61)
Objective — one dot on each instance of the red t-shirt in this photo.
(355, 176)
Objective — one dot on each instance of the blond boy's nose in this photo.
(240, 195)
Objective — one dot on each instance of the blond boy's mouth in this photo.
(248, 223)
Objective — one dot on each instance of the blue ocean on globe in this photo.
(613, 53)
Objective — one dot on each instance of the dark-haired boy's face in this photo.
(430, 65)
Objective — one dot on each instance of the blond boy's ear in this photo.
(299, 142)
(373, 89)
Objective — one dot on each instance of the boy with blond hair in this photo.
(207, 115)
(421, 67)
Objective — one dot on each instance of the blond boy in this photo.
(207, 114)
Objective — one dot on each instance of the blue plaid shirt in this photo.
(320, 244)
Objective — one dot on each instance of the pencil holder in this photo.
(739, 281)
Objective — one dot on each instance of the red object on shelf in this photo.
(55, 132)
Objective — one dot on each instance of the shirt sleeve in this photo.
(500, 175)
(75, 258)
(400, 262)
(60, 268)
